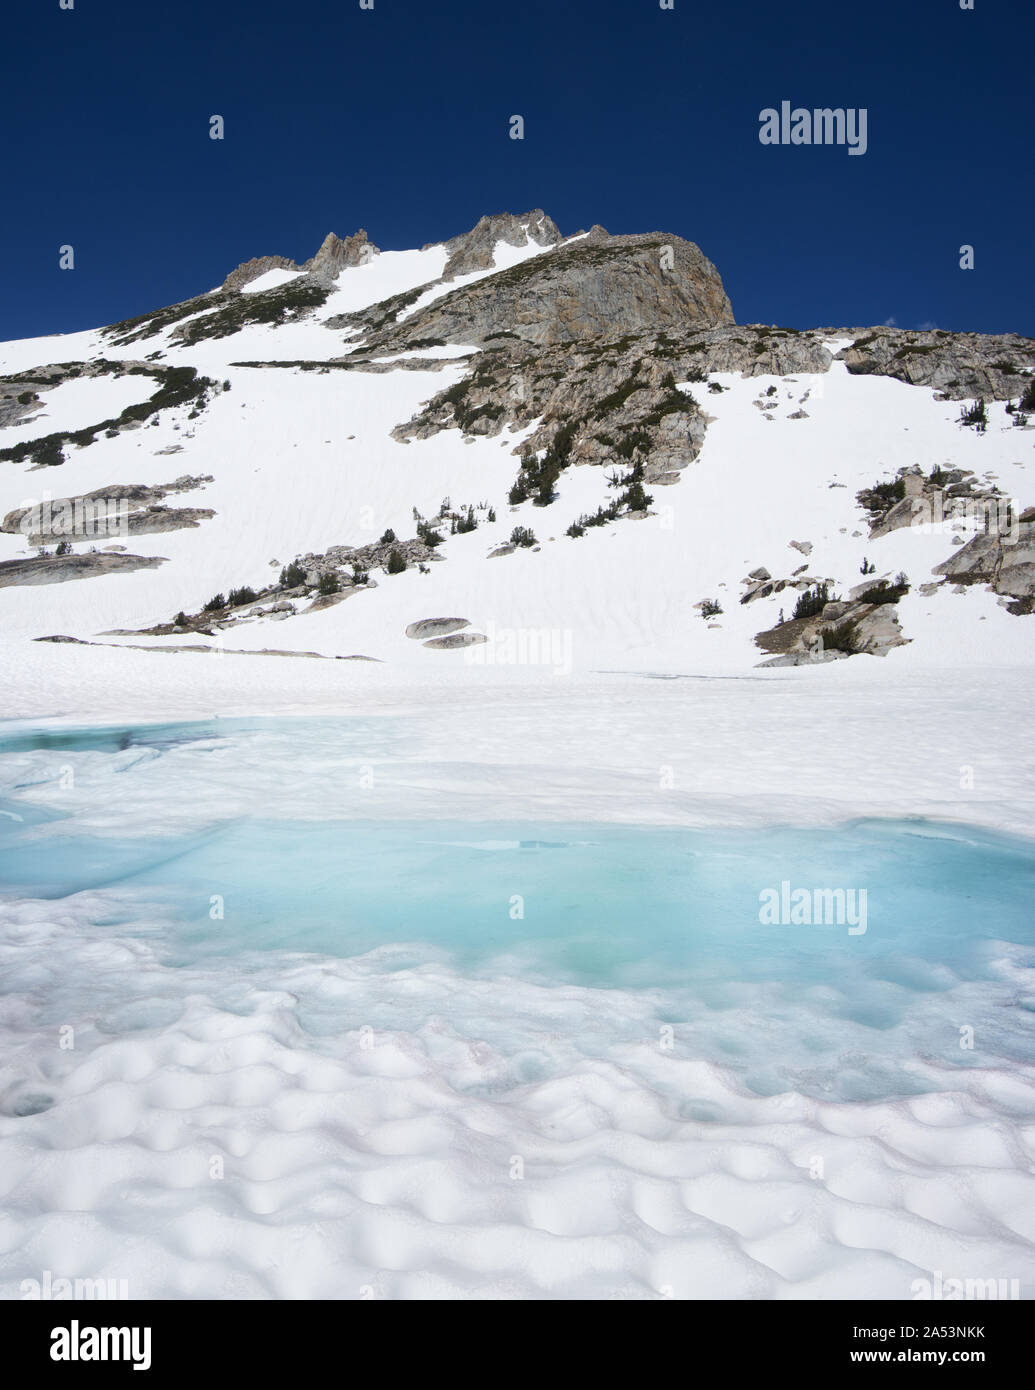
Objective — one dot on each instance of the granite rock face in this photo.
(112, 512)
(1004, 561)
(59, 569)
(617, 396)
(584, 290)
(611, 403)
(755, 349)
(961, 366)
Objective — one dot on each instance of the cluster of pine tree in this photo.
(811, 602)
(537, 478)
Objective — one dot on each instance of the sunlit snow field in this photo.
(274, 1045)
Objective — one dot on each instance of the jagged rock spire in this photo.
(333, 256)
(473, 250)
(467, 252)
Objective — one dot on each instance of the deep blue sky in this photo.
(396, 120)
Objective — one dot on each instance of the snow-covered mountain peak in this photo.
(527, 433)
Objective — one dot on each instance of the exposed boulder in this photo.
(434, 627)
(456, 639)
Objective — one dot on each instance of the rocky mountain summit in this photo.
(334, 256)
(468, 252)
(590, 286)
(475, 250)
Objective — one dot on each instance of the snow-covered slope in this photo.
(302, 459)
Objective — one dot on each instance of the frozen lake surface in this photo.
(423, 1054)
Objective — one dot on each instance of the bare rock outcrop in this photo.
(473, 250)
(115, 511)
(580, 291)
(842, 628)
(59, 569)
(248, 271)
(945, 497)
(603, 403)
(616, 395)
(961, 366)
(756, 349)
(1005, 561)
(336, 255)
